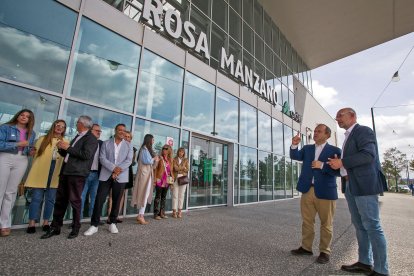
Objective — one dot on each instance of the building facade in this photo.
(183, 79)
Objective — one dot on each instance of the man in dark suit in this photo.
(78, 156)
(317, 183)
(364, 181)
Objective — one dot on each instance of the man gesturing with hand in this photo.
(317, 183)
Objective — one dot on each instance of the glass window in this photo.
(236, 174)
(258, 49)
(198, 104)
(162, 134)
(296, 167)
(291, 101)
(248, 11)
(160, 89)
(268, 29)
(105, 67)
(248, 60)
(235, 26)
(287, 131)
(285, 94)
(236, 5)
(279, 181)
(235, 49)
(276, 66)
(258, 18)
(260, 69)
(283, 41)
(265, 130)
(269, 58)
(278, 88)
(220, 13)
(265, 176)
(227, 115)
(278, 140)
(248, 38)
(45, 107)
(275, 39)
(248, 125)
(185, 141)
(248, 175)
(34, 45)
(289, 178)
(218, 40)
(203, 5)
(105, 118)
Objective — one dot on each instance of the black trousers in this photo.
(69, 190)
(160, 197)
(102, 194)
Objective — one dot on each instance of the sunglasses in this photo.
(164, 148)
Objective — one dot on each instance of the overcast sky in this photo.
(358, 80)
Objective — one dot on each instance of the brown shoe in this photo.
(301, 251)
(357, 267)
(157, 217)
(162, 215)
(179, 214)
(323, 258)
(174, 214)
(4, 232)
(141, 220)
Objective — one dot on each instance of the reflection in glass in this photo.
(227, 115)
(236, 5)
(265, 130)
(278, 141)
(219, 13)
(235, 49)
(198, 104)
(285, 94)
(235, 26)
(218, 40)
(287, 131)
(268, 29)
(105, 67)
(248, 38)
(248, 125)
(258, 18)
(279, 178)
(236, 167)
(248, 11)
(105, 118)
(289, 177)
(34, 45)
(265, 176)
(248, 175)
(291, 101)
(203, 5)
(160, 89)
(296, 172)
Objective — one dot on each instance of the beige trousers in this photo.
(310, 205)
(178, 196)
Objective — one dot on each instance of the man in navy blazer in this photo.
(317, 183)
(115, 157)
(360, 168)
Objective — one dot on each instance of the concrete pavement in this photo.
(245, 240)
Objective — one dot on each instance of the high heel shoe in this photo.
(141, 220)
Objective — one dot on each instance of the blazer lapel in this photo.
(323, 153)
(350, 137)
(111, 145)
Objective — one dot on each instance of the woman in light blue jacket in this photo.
(16, 144)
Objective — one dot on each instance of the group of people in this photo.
(358, 165)
(67, 172)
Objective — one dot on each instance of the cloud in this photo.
(326, 96)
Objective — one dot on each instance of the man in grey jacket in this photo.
(115, 157)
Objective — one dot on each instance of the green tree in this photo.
(394, 162)
(411, 164)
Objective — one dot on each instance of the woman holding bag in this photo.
(181, 168)
(16, 144)
(43, 177)
(163, 179)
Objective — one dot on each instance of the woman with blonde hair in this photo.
(16, 144)
(142, 191)
(43, 177)
(163, 179)
(181, 168)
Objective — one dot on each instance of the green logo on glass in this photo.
(292, 114)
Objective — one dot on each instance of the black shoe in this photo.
(358, 268)
(45, 228)
(52, 232)
(31, 230)
(301, 251)
(323, 258)
(73, 234)
(373, 273)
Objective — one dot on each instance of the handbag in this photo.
(183, 180)
(170, 179)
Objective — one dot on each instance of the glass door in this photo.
(209, 173)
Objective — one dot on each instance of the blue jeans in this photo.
(91, 185)
(37, 198)
(372, 246)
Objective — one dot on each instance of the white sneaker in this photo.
(113, 229)
(92, 230)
